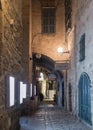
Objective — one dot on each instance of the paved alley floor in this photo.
(49, 117)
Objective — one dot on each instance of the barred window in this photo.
(48, 19)
(82, 47)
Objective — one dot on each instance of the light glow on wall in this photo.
(30, 90)
(41, 77)
(35, 90)
(23, 88)
(11, 91)
(60, 50)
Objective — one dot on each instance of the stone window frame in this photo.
(48, 19)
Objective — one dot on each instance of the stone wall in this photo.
(71, 73)
(82, 23)
(84, 18)
(12, 58)
(27, 41)
(30, 44)
(25, 52)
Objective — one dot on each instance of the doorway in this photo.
(84, 98)
(70, 97)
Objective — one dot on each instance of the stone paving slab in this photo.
(51, 118)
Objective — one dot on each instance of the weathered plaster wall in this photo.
(82, 23)
(84, 18)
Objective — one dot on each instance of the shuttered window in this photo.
(48, 19)
(82, 47)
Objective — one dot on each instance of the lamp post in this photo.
(63, 64)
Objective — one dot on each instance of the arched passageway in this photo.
(47, 66)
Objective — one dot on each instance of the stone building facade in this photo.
(81, 25)
(14, 58)
(42, 43)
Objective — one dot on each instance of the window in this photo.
(48, 20)
(11, 91)
(82, 47)
(22, 91)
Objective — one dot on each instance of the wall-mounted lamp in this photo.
(60, 50)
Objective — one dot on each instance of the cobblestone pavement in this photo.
(51, 118)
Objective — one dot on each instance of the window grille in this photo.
(48, 19)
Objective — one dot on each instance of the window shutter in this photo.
(82, 47)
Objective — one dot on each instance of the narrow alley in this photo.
(50, 117)
(46, 64)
